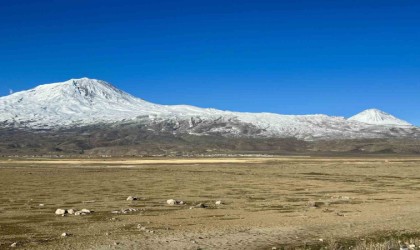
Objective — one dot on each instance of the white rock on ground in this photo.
(173, 202)
(65, 234)
(132, 198)
(60, 211)
(83, 212)
(70, 211)
(14, 244)
(128, 210)
(201, 205)
(218, 203)
(124, 211)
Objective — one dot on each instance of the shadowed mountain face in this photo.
(134, 139)
(88, 115)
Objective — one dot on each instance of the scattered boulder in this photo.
(132, 198)
(326, 210)
(83, 212)
(201, 205)
(143, 228)
(14, 244)
(41, 205)
(173, 202)
(65, 234)
(317, 204)
(125, 211)
(218, 203)
(64, 212)
(60, 211)
(128, 210)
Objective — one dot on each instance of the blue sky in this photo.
(289, 57)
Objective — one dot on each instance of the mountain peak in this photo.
(71, 101)
(83, 89)
(84, 82)
(378, 117)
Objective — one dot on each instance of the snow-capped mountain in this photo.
(378, 117)
(80, 102)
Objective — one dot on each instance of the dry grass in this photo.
(266, 203)
(392, 243)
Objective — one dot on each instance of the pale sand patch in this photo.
(130, 161)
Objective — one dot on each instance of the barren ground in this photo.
(265, 202)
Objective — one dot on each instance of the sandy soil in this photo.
(265, 202)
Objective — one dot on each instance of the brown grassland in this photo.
(362, 203)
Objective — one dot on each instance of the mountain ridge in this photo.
(84, 101)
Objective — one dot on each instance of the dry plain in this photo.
(267, 202)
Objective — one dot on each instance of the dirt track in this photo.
(266, 202)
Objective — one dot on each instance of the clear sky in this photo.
(290, 57)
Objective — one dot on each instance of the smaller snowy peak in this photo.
(378, 117)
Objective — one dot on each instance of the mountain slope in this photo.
(82, 102)
(75, 101)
